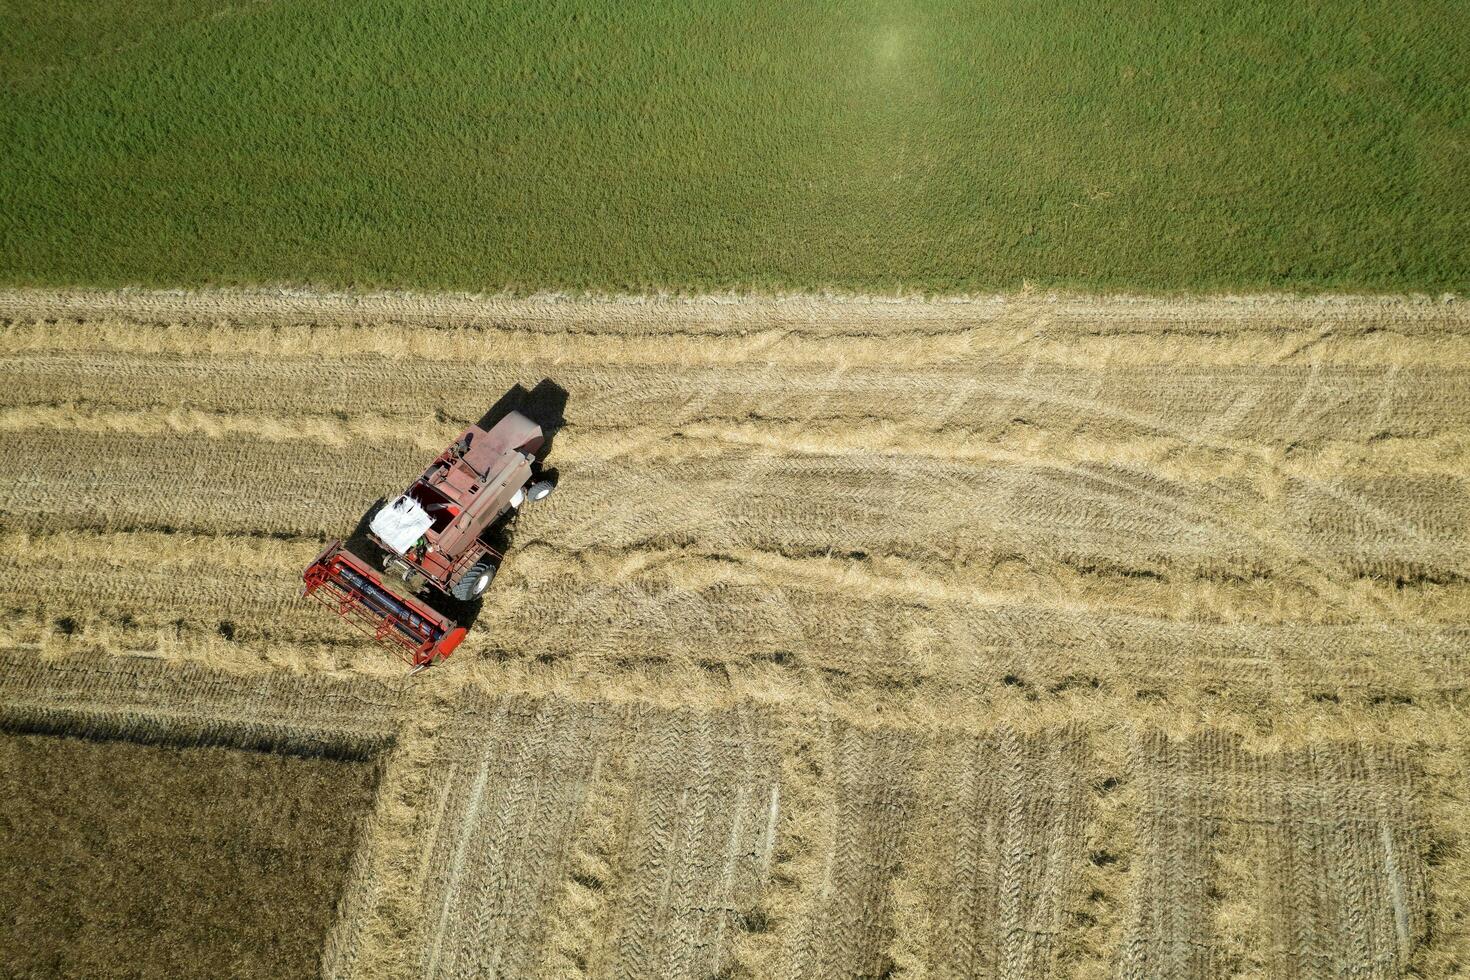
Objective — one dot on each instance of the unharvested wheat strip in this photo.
(247, 588)
(241, 607)
(1228, 409)
(122, 482)
(179, 553)
(144, 699)
(418, 433)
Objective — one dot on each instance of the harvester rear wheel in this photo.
(540, 490)
(475, 582)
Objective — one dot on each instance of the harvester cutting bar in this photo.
(349, 587)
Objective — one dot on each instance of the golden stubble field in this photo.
(1030, 635)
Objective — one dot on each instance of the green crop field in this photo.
(937, 146)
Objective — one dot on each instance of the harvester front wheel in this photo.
(539, 490)
(475, 582)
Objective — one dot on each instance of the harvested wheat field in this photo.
(1022, 636)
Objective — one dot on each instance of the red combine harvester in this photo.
(433, 537)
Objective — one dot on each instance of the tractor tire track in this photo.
(1025, 635)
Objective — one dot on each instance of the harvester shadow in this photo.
(357, 540)
(545, 404)
(462, 611)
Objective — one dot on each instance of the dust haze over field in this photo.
(1029, 635)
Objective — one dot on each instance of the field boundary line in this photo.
(825, 313)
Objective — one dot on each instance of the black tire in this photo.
(475, 582)
(539, 490)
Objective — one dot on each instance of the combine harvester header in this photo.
(344, 583)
